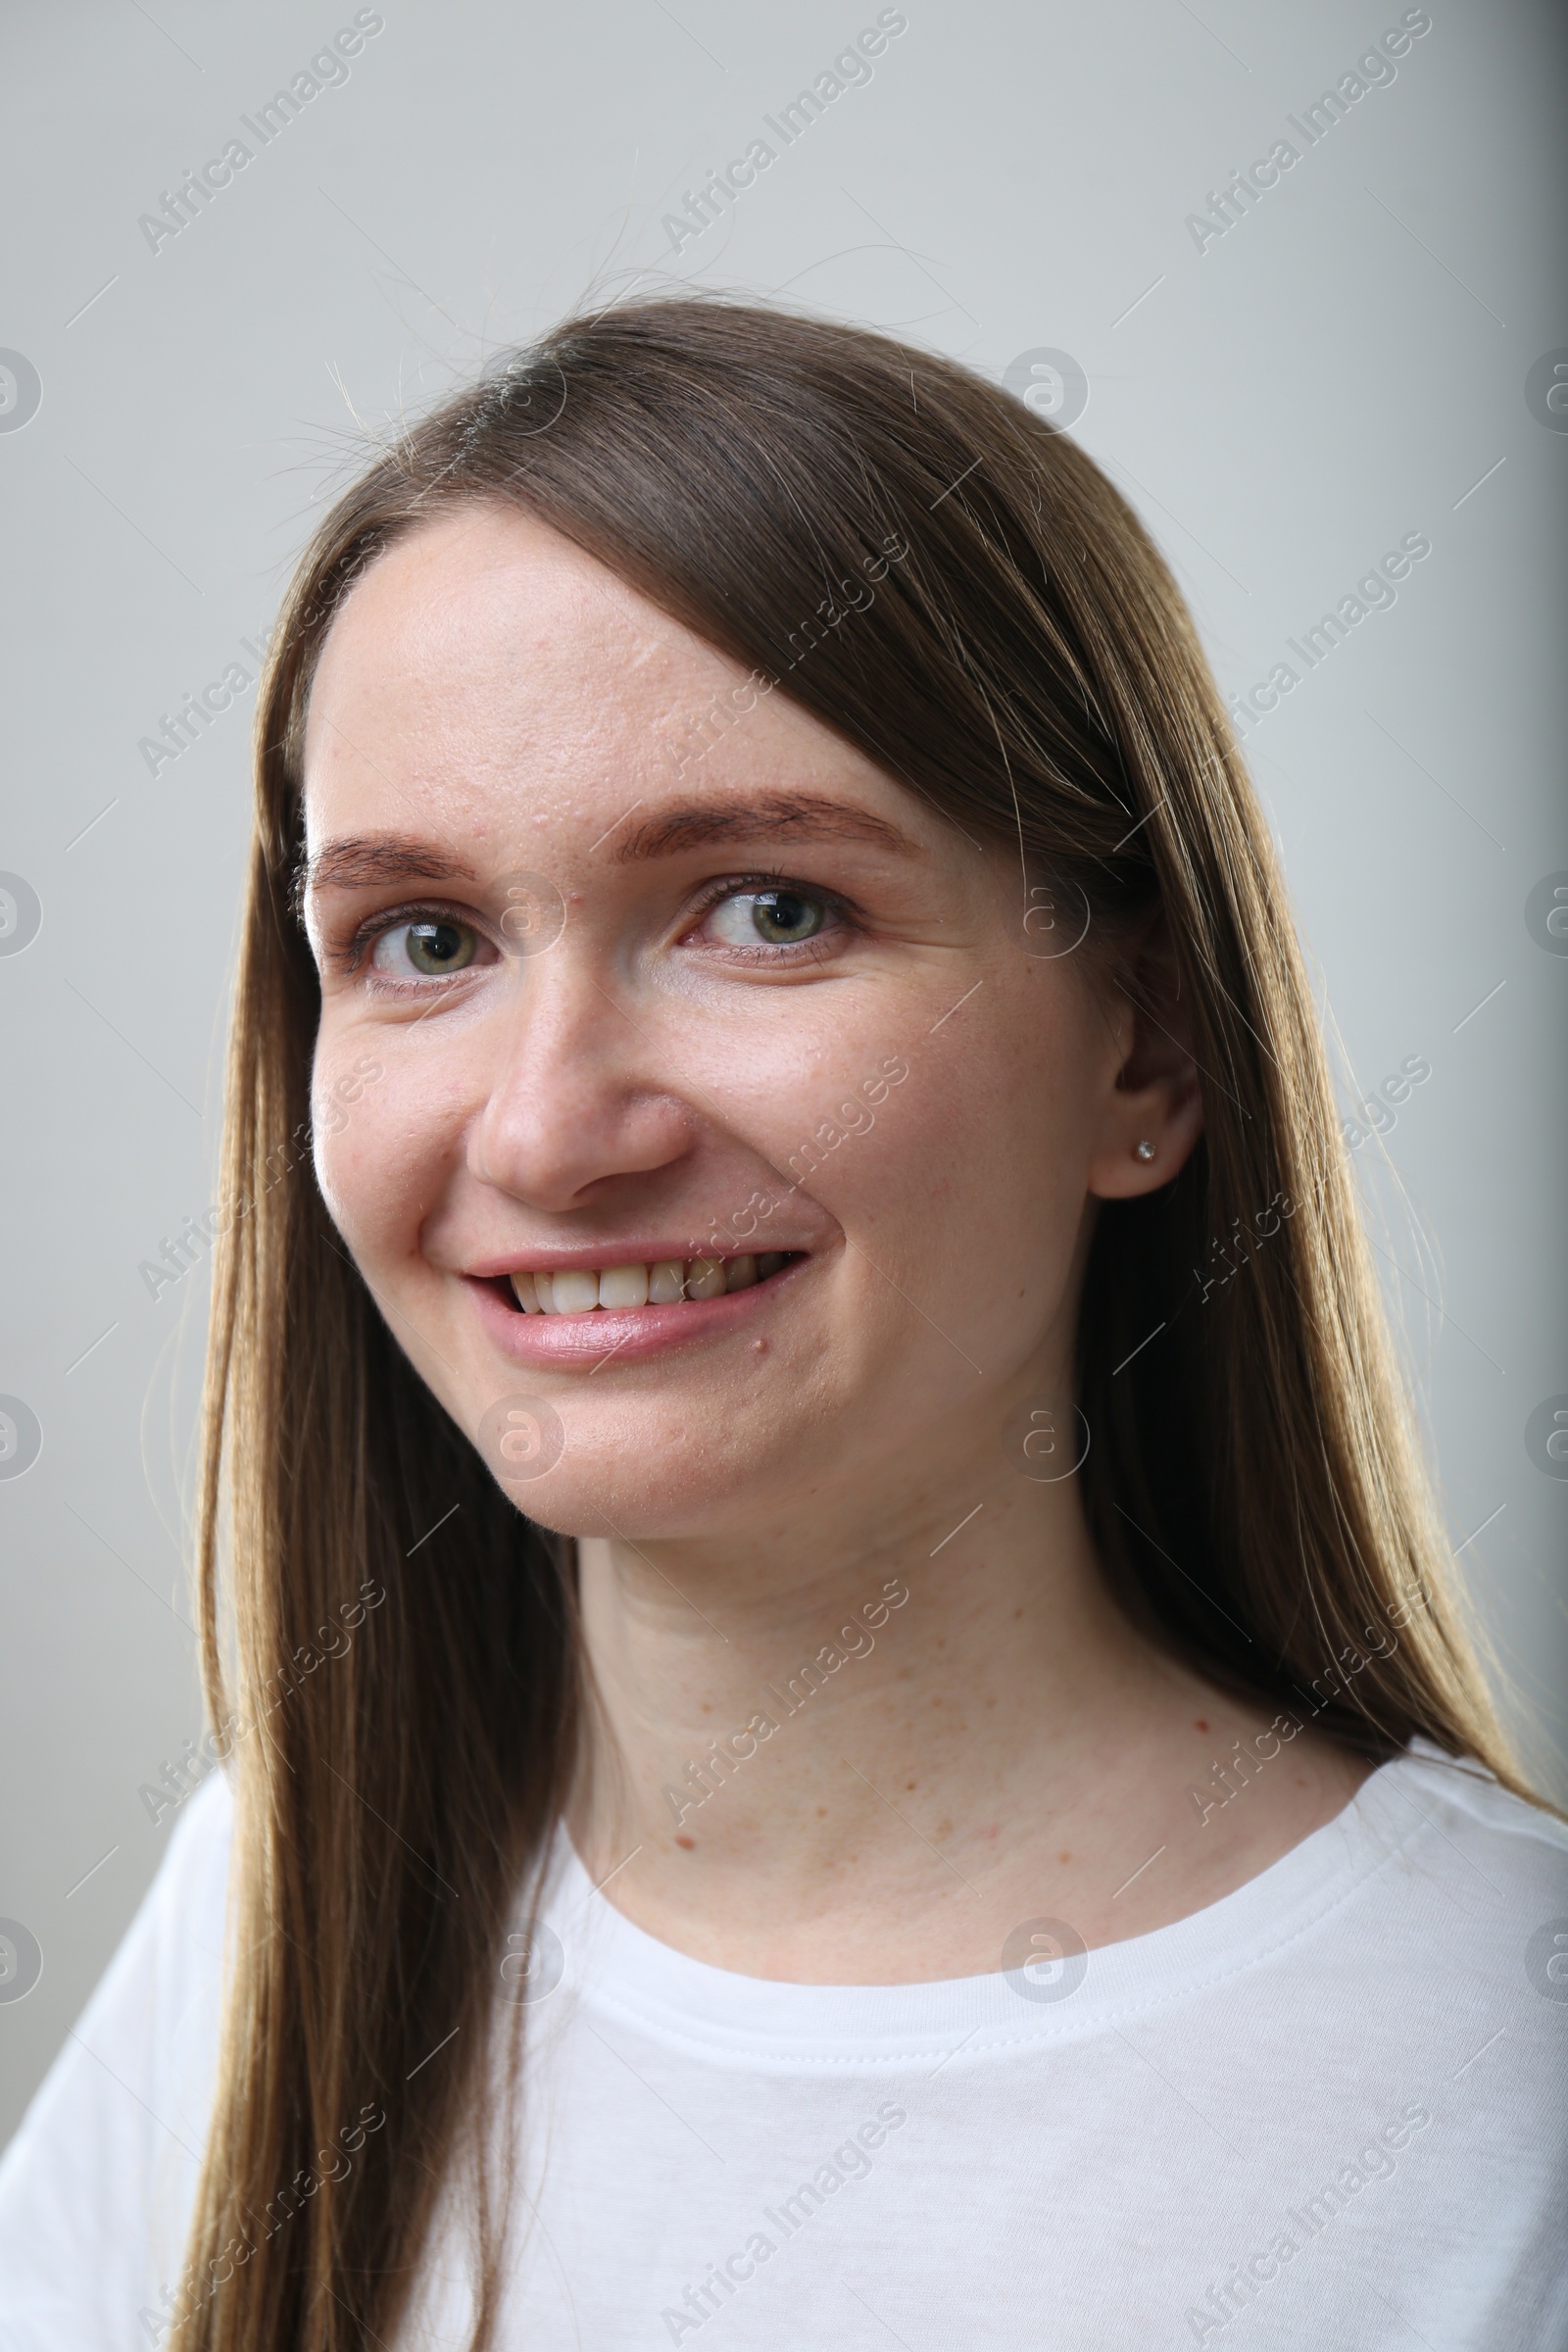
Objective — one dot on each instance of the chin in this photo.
(641, 1499)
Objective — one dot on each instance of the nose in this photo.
(573, 1097)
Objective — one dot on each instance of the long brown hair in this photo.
(1028, 666)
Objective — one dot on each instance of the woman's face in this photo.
(627, 965)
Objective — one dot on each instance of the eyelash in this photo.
(733, 886)
(350, 956)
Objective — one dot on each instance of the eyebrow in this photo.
(362, 859)
(797, 815)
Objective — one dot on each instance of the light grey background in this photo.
(1343, 366)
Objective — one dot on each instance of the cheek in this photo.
(989, 1131)
(381, 1147)
(971, 1174)
(1000, 1138)
(1061, 1054)
(848, 1121)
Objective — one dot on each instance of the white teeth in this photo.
(623, 1285)
(577, 1289)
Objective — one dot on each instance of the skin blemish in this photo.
(1198, 1725)
(690, 1843)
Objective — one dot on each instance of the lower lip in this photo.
(585, 1340)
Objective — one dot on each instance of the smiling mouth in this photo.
(665, 1282)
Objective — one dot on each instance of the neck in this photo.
(863, 1747)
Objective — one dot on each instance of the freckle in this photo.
(944, 1828)
(1064, 1857)
(707, 1709)
(1198, 1725)
(909, 1783)
(822, 1812)
(690, 1843)
(1016, 1614)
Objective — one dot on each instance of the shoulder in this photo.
(97, 2187)
(192, 1880)
(1454, 1795)
(1466, 1886)
(171, 1958)
(169, 1965)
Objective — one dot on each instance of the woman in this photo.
(822, 1615)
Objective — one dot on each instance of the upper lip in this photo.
(599, 1255)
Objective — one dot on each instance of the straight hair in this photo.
(1253, 1487)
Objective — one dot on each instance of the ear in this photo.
(1152, 1097)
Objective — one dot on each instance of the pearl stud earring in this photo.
(1144, 1151)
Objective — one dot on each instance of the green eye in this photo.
(432, 947)
(780, 917)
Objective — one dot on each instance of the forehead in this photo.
(492, 597)
(485, 660)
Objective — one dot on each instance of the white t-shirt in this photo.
(1328, 2111)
